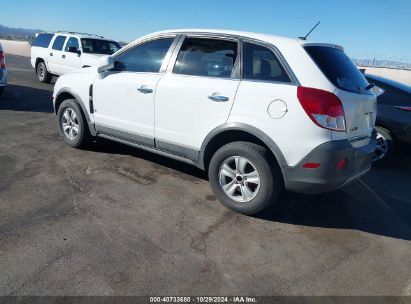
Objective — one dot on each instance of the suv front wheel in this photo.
(244, 177)
(72, 124)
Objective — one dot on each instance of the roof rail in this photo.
(74, 33)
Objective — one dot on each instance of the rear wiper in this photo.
(370, 86)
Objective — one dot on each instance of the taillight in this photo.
(2, 60)
(324, 108)
(407, 109)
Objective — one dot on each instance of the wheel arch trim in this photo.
(235, 126)
(80, 102)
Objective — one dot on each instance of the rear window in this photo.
(338, 68)
(42, 40)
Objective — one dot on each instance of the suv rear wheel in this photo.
(244, 177)
(42, 73)
(72, 124)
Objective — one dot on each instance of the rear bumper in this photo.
(328, 177)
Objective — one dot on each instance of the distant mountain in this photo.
(20, 33)
(382, 63)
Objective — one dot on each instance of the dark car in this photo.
(393, 123)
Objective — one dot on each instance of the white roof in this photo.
(80, 35)
(258, 36)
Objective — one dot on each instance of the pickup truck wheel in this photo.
(42, 73)
(245, 178)
(72, 124)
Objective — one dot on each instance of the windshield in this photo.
(338, 68)
(98, 46)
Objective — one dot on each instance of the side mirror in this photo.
(105, 63)
(378, 91)
(72, 49)
(119, 66)
(79, 53)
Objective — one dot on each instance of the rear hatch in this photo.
(359, 103)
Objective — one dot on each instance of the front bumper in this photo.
(328, 177)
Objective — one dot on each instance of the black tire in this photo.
(384, 139)
(42, 73)
(83, 135)
(1, 91)
(270, 177)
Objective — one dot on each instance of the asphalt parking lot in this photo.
(113, 220)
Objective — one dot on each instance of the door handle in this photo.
(64, 56)
(145, 90)
(51, 54)
(218, 98)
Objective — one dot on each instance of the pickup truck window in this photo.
(42, 40)
(59, 43)
(72, 44)
(99, 46)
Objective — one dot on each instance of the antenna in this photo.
(305, 37)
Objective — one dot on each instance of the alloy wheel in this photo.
(239, 179)
(70, 124)
(381, 148)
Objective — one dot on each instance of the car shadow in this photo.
(26, 99)
(378, 203)
(102, 145)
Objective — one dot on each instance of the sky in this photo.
(365, 28)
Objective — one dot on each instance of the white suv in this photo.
(65, 52)
(260, 113)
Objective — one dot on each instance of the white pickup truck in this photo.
(65, 52)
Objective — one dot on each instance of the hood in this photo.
(91, 59)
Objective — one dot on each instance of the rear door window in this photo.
(59, 43)
(206, 57)
(42, 40)
(260, 63)
(338, 68)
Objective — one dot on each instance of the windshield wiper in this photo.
(370, 86)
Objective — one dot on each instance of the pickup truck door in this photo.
(55, 55)
(70, 58)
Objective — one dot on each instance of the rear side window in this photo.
(206, 57)
(42, 40)
(58, 43)
(147, 57)
(338, 68)
(260, 63)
